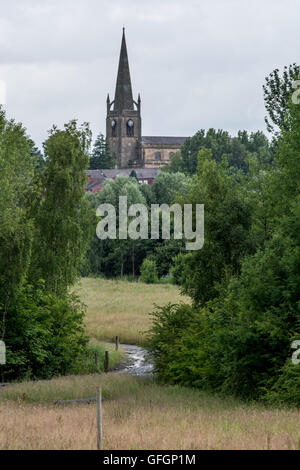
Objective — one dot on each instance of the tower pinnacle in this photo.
(123, 94)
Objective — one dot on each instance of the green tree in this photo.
(117, 257)
(277, 92)
(101, 157)
(176, 163)
(226, 233)
(17, 189)
(148, 272)
(235, 149)
(62, 217)
(167, 185)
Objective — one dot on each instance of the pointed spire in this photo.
(123, 94)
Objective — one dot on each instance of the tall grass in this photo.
(139, 414)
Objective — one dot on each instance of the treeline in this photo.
(237, 335)
(235, 150)
(114, 258)
(117, 258)
(44, 232)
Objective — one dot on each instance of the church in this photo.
(124, 126)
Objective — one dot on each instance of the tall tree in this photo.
(101, 157)
(16, 182)
(226, 229)
(277, 91)
(62, 219)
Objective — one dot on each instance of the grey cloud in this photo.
(197, 64)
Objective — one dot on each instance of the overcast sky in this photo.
(197, 63)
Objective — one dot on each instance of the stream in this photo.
(136, 362)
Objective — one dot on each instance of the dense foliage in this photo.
(236, 150)
(124, 257)
(148, 271)
(236, 336)
(44, 227)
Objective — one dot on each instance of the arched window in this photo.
(130, 128)
(114, 128)
(157, 156)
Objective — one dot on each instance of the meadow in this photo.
(121, 308)
(137, 413)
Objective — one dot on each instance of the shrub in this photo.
(148, 272)
(177, 270)
(286, 390)
(182, 345)
(45, 334)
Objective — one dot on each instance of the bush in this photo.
(177, 270)
(182, 345)
(148, 272)
(286, 390)
(45, 335)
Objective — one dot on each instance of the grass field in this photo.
(121, 308)
(138, 414)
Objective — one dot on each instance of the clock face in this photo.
(130, 123)
(113, 123)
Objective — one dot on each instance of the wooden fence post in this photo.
(106, 362)
(117, 343)
(99, 418)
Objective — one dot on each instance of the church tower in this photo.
(123, 121)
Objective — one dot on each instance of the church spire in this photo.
(123, 94)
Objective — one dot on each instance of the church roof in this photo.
(162, 140)
(140, 172)
(123, 94)
(113, 173)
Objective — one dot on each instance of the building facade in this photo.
(124, 126)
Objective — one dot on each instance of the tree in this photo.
(277, 92)
(167, 185)
(62, 217)
(17, 189)
(118, 257)
(217, 141)
(37, 156)
(235, 149)
(101, 157)
(226, 229)
(148, 272)
(176, 163)
(133, 175)
(164, 253)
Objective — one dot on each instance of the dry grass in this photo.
(121, 308)
(139, 415)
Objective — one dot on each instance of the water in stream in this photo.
(136, 362)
